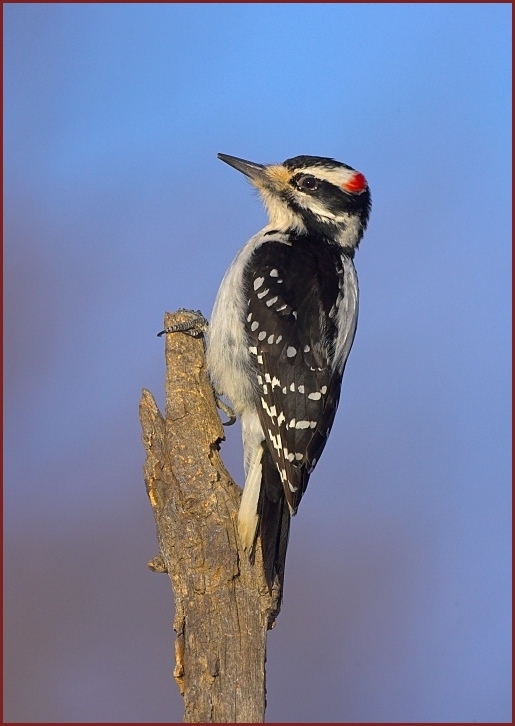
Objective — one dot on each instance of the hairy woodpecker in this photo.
(280, 333)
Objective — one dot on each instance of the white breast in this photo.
(227, 354)
(347, 315)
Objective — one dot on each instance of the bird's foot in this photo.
(227, 410)
(195, 326)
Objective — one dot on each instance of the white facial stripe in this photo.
(338, 176)
(316, 208)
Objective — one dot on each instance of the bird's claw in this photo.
(197, 325)
(227, 410)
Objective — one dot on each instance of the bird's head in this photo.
(311, 194)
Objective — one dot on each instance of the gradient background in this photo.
(397, 603)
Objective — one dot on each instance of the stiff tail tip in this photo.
(264, 512)
(248, 512)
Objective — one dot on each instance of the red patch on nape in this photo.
(356, 183)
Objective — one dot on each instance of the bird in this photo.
(281, 330)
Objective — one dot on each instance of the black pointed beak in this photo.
(255, 172)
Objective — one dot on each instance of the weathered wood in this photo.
(222, 605)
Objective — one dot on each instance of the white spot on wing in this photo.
(302, 425)
(287, 455)
(276, 441)
(271, 410)
(258, 282)
(291, 351)
(315, 396)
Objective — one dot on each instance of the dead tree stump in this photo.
(223, 608)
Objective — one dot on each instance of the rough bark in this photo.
(222, 605)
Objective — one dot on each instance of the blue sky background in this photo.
(397, 601)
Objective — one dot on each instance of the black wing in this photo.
(292, 292)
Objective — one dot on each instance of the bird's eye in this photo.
(307, 183)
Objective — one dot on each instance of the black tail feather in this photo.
(274, 522)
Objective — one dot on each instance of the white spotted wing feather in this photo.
(297, 350)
